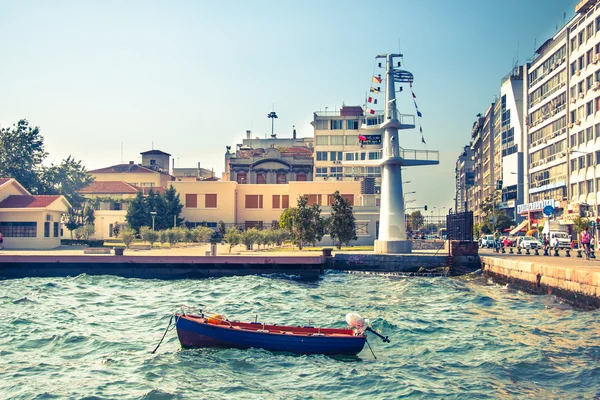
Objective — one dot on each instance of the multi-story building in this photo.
(339, 136)
(509, 144)
(546, 129)
(583, 108)
(465, 178)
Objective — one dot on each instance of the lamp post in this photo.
(272, 115)
(153, 213)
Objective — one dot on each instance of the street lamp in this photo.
(404, 198)
(406, 182)
(153, 213)
(272, 115)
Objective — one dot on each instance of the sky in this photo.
(107, 80)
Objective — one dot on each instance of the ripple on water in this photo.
(450, 338)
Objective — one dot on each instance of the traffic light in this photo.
(425, 208)
(499, 184)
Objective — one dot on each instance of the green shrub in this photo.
(127, 235)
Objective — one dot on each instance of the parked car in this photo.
(508, 241)
(529, 242)
(487, 241)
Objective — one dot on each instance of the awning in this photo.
(531, 232)
(519, 227)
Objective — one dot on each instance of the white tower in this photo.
(392, 225)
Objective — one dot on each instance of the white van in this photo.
(564, 241)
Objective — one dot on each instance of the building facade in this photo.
(465, 178)
(339, 136)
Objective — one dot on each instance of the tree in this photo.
(173, 206)
(416, 219)
(144, 231)
(233, 237)
(21, 155)
(67, 179)
(137, 213)
(342, 226)
(303, 222)
(489, 210)
(127, 235)
(581, 224)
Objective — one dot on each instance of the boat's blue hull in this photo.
(193, 334)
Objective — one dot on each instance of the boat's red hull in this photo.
(195, 331)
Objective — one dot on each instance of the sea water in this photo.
(91, 337)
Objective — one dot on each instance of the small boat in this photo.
(213, 330)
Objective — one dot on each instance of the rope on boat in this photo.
(366, 340)
(165, 334)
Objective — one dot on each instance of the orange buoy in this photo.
(215, 319)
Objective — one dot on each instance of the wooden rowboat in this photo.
(196, 331)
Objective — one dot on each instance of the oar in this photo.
(384, 338)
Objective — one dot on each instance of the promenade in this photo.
(574, 279)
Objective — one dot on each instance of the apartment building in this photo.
(465, 178)
(583, 149)
(336, 139)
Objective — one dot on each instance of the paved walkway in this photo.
(199, 250)
(560, 261)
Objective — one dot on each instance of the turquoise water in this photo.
(91, 337)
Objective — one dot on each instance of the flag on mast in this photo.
(376, 79)
(372, 100)
(370, 111)
(374, 90)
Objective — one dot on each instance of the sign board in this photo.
(535, 206)
(548, 210)
(506, 204)
(372, 139)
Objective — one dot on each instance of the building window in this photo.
(373, 155)
(348, 197)
(337, 124)
(321, 156)
(589, 56)
(352, 124)
(349, 156)
(589, 108)
(581, 161)
(261, 178)
(276, 199)
(590, 186)
(581, 63)
(116, 206)
(56, 229)
(336, 140)
(362, 228)
(285, 201)
(580, 188)
(313, 199)
(351, 140)
(254, 201)
(321, 171)
(242, 178)
(18, 229)
(573, 165)
(191, 201)
(210, 200)
(281, 178)
(589, 134)
(322, 140)
(152, 162)
(589, 159)
(589, 81)
(335, 155)
(336, 171)
(302, 177)
(597, 157)
(253, 224)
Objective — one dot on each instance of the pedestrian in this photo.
(546, 242)
(1, 241)
(585, 241)
(555, 241)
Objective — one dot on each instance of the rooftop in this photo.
(27, 201)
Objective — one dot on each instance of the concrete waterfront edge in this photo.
(577, 286)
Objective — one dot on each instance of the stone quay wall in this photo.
(578, 285)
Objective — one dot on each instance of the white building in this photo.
(583, 149)
(546, 143)
(336, 133)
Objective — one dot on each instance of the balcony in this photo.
(386, 155)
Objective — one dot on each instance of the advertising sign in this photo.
(372, 139)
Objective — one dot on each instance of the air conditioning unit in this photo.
(339, 178)
(563, 154)
(596, 86)
(573, 99)
(570, 125)
(578, 72)
(578, 122)
(581, 95)
(324, 178)
(595, 59)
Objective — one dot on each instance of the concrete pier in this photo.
(575, 280)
